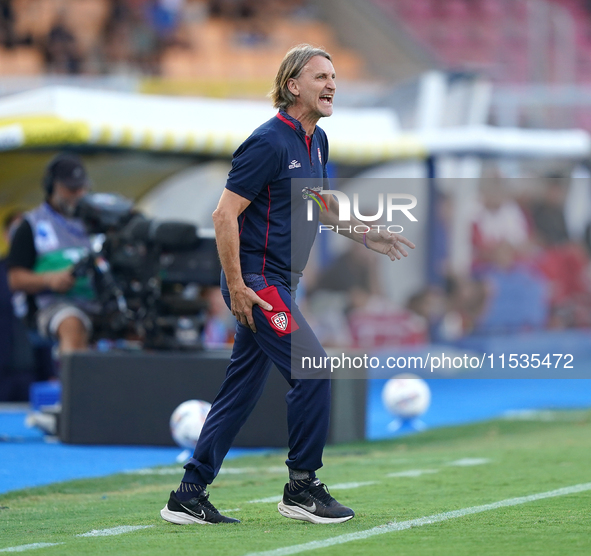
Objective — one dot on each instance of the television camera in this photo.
(148, 275)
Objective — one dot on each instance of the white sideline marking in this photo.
(148, 471)
(113, 531)
(341, 486)
(419, 522)
(346, 486)
(33, 546)
(413, 473)
(467, 462)
(264, 500)
(271, 469)
(235, 470)
(530, 415)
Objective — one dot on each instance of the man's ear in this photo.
(292, 86)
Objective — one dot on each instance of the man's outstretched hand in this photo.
(388, 243)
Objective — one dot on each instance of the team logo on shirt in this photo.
(319, 156)
(280, 321)
(45, 236)
(294, 164)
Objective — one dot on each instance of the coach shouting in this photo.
(256, 214)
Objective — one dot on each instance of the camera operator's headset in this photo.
(49, 176)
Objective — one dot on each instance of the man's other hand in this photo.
(242, 301)
(61, 281)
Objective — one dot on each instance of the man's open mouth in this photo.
(326, 99)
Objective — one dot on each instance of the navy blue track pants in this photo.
(308, 400)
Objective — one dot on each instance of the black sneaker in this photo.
(315, 504)
(197, 510)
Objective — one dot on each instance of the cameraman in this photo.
(44, 249)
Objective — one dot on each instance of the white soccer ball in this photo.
(406, 396)
(187, 421)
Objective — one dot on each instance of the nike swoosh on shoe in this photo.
(200, 515)
(310, 509)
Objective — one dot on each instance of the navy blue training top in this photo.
(275, 234)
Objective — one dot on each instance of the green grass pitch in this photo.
(454, 468)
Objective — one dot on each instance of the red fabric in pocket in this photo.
(280, 318)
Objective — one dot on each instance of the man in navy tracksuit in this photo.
(264, 239)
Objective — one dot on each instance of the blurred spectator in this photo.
(144, 43)
(116, 51)
(130, 39)
(547, 213)
(165, 16)
(62, 54)
(16, 356)
(220, 323)
(518, 296)
(249, 16)
(9, 38)
(227, 9)
(466, 302)
(7, 35)
(497, 219)
(10, 224)
(569, 290)
(251, 26)
(347, 283)
(509, 296)
(217, 8)
(380, 323)
(563, 262)
(11, 221)
(432, 304)
(6, 312)
(137, 33)
(350, 310)
(250, 9)
(354, 273)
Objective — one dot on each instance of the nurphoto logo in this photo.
(392, 205)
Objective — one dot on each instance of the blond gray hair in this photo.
(291, 68)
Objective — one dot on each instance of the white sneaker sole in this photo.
(294, 512)
(180, 518)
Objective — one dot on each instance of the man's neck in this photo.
(56, 209)
(308, 122)
(52, 206)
